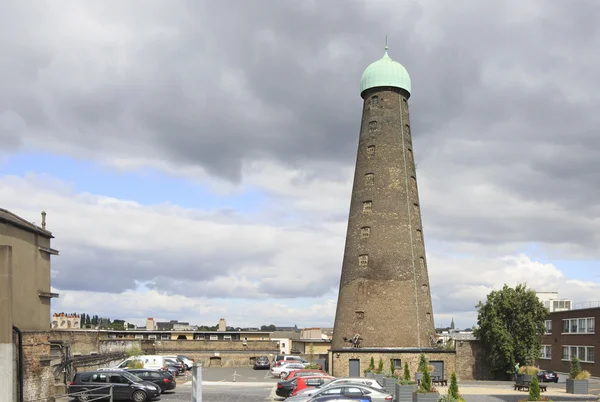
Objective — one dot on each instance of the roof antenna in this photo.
(386, 46)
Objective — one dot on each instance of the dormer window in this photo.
(374, 100)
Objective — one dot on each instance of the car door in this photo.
(121, 386)
(98, 385)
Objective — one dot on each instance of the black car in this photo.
(547, 376)
(286, 387)
(125, 386)
(162, 378)
(262, 362)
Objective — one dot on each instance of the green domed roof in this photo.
(385, 72)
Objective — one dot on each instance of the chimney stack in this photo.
(44, 220)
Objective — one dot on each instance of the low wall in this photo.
(38, 376)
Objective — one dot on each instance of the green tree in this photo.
(510, 326)
(311, 353)
(453, 388)
(422, 363)
(372, 365)
(392, 368)
(575, 368)
(406, 372)
(380, 366)
(118, 325)
(534, 389)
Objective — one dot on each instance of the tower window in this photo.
(424, 287)
(409, 154)
(365, 232)
(416, 208)
(372, 126)
(422, 262)
(428, 316)
(363, 260)
(371, 150)
(367, 207)
(374, 100)
(369, 179)
(407, 127)
(419, 234)
(360, 315)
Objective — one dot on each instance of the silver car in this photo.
(369, 382)
(377, 395)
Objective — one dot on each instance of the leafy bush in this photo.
(392, 368)
(372, 364)
(575, 368)
(422, 363)
(447, 398)
(312, 366)
(453, 388)
(529, 370)
(534, 389)
(406, 372)
(380, 366)
(583, 375)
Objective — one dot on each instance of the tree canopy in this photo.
(510, 327)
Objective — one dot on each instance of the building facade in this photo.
(384, 298)
(571, 333)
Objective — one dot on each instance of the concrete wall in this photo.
(471, 363)
(31, 273)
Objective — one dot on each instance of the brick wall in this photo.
(471, 362)
(38, 374)
(83, 342)
(216, 346)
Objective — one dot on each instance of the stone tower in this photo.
(384, 295)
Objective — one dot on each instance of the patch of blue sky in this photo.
(572, 269)
(147, 186)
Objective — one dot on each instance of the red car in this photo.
(304, 373)
(310, 382)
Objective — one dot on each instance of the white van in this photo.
(148, 361)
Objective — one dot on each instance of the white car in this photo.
(370, 382)
(285, 368)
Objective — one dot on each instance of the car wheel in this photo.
(84, 396)
(139, 396)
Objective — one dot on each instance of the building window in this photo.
(407, 127)
(151, 336)
(416, 208)
(546, 352)
(139, 336)
(419, 234)
(579, 325)
(214, 338)
(367, 207)
(164, 336)
(413, 182)
(374, 100)
(372, 126)
(360, 315)
(365, 232)
(363, 260)
(369, 179)
(227, 337)
(422, 262)
(409, 154)
(585, 354)
(548, 326)
(371, 150)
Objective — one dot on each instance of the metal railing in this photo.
(582, 305)
(89, 394)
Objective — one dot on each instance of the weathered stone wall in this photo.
(38, 375)
(471, 363)
(183, 346)
(339, 366)
(80, 341)
(118, 345)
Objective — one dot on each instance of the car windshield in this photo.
(132, 377)
(326, 383)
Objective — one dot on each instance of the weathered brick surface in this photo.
(38, 374)
(471, 362)
(384, 288)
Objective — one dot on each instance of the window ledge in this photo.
(49, 295)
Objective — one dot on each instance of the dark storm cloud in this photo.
(505, 94)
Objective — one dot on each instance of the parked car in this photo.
(278, 359)
(305, 383)
(377, 395)
(145, 361)
(283, 370)
(286, 388)
(344, 398)
(370, 382)
(162, 378)
(125, 386)
(189, 363)
(547, 376)
(261, 362)
(172, 361)
(303, 373)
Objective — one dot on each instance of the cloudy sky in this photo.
(195, 158)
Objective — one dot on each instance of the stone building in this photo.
(25, 295)
(384, 296)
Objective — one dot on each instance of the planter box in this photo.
(577, 386)
(427, 397)
(379, 378)
(404, 393)
(369, 374)
(523, 378)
